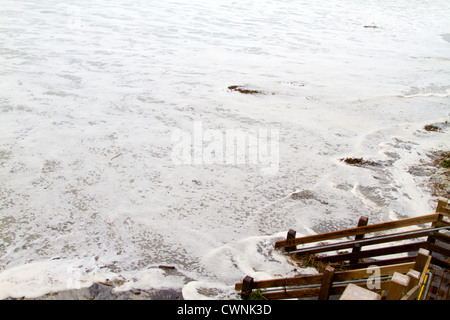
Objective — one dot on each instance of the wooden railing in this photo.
(432, 239)
(332, 282)
(426, 243)
(401, 286)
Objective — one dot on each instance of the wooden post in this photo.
(397, 286)
(414, 286)
(412, 294)
(354, 292)
(414, 280)
(327, 282)
(442, 210)
(361, 223)
(422, 262)
(247, 287)
(442, 207)
(291, 235)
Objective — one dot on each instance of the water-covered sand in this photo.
(98, 100)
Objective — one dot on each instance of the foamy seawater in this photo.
(97, 97)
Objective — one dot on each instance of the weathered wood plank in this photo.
(363, 273)
(442, 223)
(317, 279)
(422, 262)
(441, 237)
(284, 282)
(410, 247)
(412, 294)
(397, 286)
(354, 292)
(442, 207)
(380, 262)
(414, 279)
(440, 262)
(393, 237)
(291, 294)
(312, 292)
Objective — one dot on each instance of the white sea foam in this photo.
(92, 92)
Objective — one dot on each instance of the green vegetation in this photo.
(445, 162)
(256, 295)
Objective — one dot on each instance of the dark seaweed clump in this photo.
(244, 91)
(359, 162)
(430, 127)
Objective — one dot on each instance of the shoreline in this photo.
(105, 291)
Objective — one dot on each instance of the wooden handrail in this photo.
(405, 284)
(358, 230)
(334, 282)
(374, 240)
(409, 247)
(317, 278)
